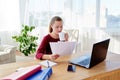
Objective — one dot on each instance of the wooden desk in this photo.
(106, 70)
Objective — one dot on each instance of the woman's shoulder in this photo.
(47, 36)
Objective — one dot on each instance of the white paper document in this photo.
(48, 63)
(62, 48)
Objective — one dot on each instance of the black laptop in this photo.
(99, 53)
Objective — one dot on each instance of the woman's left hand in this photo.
(66, 36)
(54, 56)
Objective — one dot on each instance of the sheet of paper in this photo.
(48, 63)
(62, 48)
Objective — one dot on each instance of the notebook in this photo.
(99, 53)
(63, 48)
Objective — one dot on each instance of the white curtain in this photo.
(9, 15)
(75, 13)
(9, 20)
(85, 15)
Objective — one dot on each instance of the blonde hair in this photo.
(55, 18)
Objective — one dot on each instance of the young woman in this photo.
(44, 50)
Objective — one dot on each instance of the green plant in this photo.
(27, 42)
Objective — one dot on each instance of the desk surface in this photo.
(60, 70)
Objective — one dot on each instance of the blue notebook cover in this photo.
(43, 74)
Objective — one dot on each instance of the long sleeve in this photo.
(44, 47)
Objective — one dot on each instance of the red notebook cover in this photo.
(23, 73)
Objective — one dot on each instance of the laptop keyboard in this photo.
(84, 62)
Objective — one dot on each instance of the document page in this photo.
(62, 48)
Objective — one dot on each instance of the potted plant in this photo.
(27, 42)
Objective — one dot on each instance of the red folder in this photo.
(23, 73)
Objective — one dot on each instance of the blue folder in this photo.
(43, 74)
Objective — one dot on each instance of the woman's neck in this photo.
(54, 35)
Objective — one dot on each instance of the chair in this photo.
(7, 54)
(74, 36)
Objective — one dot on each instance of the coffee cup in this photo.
(62, 36)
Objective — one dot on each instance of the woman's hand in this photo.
(54, 56)
(66, 36)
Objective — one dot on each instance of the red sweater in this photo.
(44, 47)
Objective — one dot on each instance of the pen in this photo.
(48, 63)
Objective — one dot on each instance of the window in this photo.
(75, 13)
(112, 12)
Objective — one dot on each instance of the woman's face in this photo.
(57, 27)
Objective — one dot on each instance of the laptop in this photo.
(99, 53)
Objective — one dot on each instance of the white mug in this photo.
(62, 36)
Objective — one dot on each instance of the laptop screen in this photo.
(99, 52)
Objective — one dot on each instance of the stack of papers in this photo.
(62, 48)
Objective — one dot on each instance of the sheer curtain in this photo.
(90, 17)
(9, 15)
(84, 15)
(75, 13)
(9, 20)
